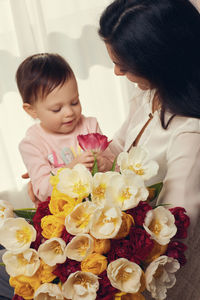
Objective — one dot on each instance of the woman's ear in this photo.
(29, 109)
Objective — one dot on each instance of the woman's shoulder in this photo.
(185, 135)
(181, 124)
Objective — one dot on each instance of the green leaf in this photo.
(161, 204)
(26, 213)
(2, 264)
(95, 166)
(114, 164)
(156, 188)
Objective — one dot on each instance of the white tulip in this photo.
(99, 187)
(80, 247)
(137, 160)
(52, 251)
(76, 182)
(48, 291)
(81, 286)
(26, 263)
(160, 224)
(106, 222)
(159, 276)
(126, 190)
(125, 275)
(6, 210)
(79, 220)
(16, 234)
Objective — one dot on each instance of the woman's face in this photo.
(119, 70)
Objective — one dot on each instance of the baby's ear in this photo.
(30, 109)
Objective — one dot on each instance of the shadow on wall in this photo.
(82, 53)
(19, 199)
(9, 64)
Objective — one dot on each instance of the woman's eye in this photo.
(123, 70)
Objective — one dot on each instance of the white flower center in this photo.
(137, 168)
(23, 235)
(99, 192)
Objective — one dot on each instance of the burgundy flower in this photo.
(139, 212)
(93, 141)
(16, 297)
(182, 222)
(64, 270)
(120, 248)
(141, 243)
(106, 291)
(66, 236)
(176, 250)
(42, 210)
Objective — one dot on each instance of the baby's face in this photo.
(60, 111)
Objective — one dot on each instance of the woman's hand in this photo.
(103, 163)
(33, 198)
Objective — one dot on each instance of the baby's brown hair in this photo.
(39, 74)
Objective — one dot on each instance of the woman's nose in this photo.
(117, 71)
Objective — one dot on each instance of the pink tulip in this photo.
(93, 141)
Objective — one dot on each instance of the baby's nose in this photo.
(68, 111)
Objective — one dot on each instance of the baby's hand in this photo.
(86, 158)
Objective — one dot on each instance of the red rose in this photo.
(64, 270)
(106, 291)
(182, 222)
(93, 141)
(42, 210)
(176, 250)
(141, 242)
(139, 212)
(16, 297)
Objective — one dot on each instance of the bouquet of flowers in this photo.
(97, 237)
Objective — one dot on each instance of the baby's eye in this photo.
(75, 102)
(56, 110)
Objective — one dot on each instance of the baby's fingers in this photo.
(89, 165)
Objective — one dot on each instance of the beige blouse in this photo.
(177, 151)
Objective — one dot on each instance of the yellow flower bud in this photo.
(45, 272)
(124, 296)
(95, 263)
(25, 286)
(52, 226)
(101, 246)
(157, 251)
(61, 204)
(127, 222)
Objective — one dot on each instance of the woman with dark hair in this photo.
(156, 44)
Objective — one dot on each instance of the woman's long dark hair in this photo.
(160, 41)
